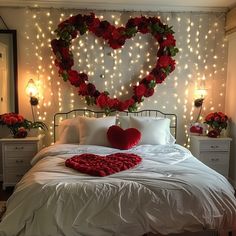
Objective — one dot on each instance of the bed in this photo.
(169, 192)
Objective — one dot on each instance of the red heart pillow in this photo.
(103, 165)
(123, 139)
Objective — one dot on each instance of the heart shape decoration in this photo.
(116, 38)
(123, 139)
(97, 165)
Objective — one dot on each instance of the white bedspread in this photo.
(169, 192)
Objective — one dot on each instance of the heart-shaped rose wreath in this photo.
(116, 37)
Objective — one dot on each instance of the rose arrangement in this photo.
(217, 121)
(18, 125)
(116, 38)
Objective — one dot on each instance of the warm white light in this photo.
(31, 89)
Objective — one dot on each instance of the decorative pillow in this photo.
(103, 165)
(154, 131)
(68, 131)
(123, 139)
(93, 131)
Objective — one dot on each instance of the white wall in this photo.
(200, 38)
(230, 103)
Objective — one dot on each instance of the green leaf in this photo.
(172, 50)
(168, 29)
(82, 29)
(106, 93)
(130, 31)
(152, 84)
(64, 76)
(155, 28)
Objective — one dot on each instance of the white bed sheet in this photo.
(169, 192)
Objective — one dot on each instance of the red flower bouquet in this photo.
(18, 125)
(217, 121)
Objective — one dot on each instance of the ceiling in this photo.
(145, 5)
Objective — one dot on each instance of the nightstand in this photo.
(16, 156)
(214, 152)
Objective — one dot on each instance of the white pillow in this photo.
(154, 131)
(68, 131)
(93, 131)
(124, 121)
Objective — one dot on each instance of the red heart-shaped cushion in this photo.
(123, 139)
(103, 165)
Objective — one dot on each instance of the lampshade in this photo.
(200, 93)
(31, 89)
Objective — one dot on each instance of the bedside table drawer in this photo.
(14, 175)
(210, 158)
(19, 161)
(24, 147)
(214, 145)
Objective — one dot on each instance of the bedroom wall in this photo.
(202, 60)
(230, 101)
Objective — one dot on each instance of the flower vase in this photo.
(214, 132)
(18, 132)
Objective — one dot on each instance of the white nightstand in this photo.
(214, 152)
(16, 156)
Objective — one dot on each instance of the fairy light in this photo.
(113, 69)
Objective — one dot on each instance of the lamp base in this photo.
(34, 101)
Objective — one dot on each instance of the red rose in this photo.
(66, 64)
(102, 100)
(11, 120)
(122, 106)
(91, 89)
(108, 33)
(169, 41)
(112, 102)
(65, 52)
(164, 61)
(140, 90)
(209, 117)
(74, 78)
(149, 92)
(20, 118)
(83, 89)
(143, 25)
(74, 34)
(149, 78)
(83, 76)
(93, 25)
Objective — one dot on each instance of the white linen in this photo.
(169, 192)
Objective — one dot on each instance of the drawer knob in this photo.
(215, 159)
(19, 148)
(214, 146)
(19, 161)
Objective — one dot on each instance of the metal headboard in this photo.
(58, 117)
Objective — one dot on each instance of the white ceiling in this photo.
(149, 5)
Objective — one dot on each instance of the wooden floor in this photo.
(5, 194)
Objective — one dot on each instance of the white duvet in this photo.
(169, 192)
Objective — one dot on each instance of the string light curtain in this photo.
(203, 52)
